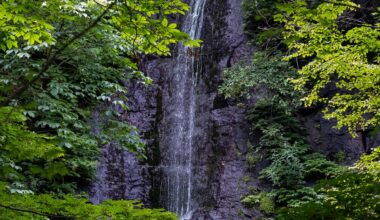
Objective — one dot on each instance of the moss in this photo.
(245, 179)
(266, 203)
(240, 105)
(263, 200)
(252, 157)
(252, 160)
(251, 200)
(253, 190)
(340, 156)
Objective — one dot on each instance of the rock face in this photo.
(324, 138)
(119, 177)
(219, 140)
(219, 175)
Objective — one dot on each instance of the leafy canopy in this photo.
(292, 163)
(143, 24)
(336, 46)
(46, 206)
(344, 53)
(352, 195)
(63, 68)
(61, 59)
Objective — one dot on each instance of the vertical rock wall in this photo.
(220, 177)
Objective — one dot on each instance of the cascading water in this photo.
(177, 137)
(196, 141)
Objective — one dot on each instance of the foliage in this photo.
(340, 156)
(20, 147)
(263, 199)
(63, 65)
(264, 70)
(295, 197)
(253, 156)
(274, 116)
(66, 57)
(317, 167)
(260, 25)
(136, 22)
(286, 168)
(343, 52)
(336, 45)
(352, 195)
(29, 206)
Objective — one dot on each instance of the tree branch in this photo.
(21, 89)
(83, 32)
(37, 213)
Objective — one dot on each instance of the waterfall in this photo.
(177, 137)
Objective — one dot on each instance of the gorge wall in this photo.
(219, 176)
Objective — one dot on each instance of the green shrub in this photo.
(353, 194)
(266, 204)
(282, 137)
(253, 156)
(295, 197)
(263, 200)
(340, 156)
(47, 206)
(251, 160)
(318, 167)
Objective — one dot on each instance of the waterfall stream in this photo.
(195, 140)
(177, 137)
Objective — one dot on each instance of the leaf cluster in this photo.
(282, 138)
(63, 67)
(263, 200)
(344, 59)
(260, 25)
(336, 45)
(352, 195)
(46, 206)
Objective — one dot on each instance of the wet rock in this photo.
(119, 176)
(219, 140)
(324, 138)
(220, 176)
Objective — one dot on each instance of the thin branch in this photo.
(37, 213)
(18, 92)
(83, 32)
